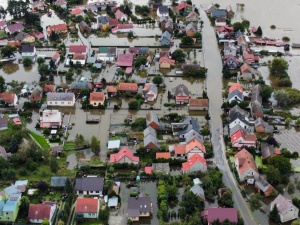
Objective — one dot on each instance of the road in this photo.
(214, 85)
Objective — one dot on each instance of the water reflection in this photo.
(10, 68)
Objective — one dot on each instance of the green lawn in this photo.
(41, 140)
(69, 144)
(259, 163)
(2, 34)
(231, 159)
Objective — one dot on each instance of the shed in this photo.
(113, 202)
(114, 144)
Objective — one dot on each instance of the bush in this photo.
(273, 27)
(286, 39)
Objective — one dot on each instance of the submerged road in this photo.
(213, 62)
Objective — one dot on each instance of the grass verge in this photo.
(41, 140)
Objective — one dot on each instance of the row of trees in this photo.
(94, 143)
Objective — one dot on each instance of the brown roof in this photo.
(7, 97)
(198, 102)
(97, 96)
(49, 88)
(78, 56)
(39, 211)
(87, 205)
(246, 161)
(128, 87)
(111, 89)
(163, 155)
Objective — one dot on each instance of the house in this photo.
(103, 22)
(236, 128)
(198, 191)
(77, 12)
(220, 21)
(111, 91)
(240, 139)
(169, 26)
(102, 5)
(28, 51)
(181, 94)
(89, 185)
(3, 24)
(183, 8)
(230, 49)
(256, 106)
(262, 126)
(162, 21)
(125, 60)
(286, 209)
(198, 104)
(191, 29)
(128, 87)
(88, 208)
(122, 28)
(237, 109)
(134, 50)
(3, 152)
(183, 128)
(235, 86)
(192, 17)
(150, 140)
(162, 11)
(246, 72)
(61, 99)
(166, 63)
(38, 6)
(24, 37)
(13, 28)
(195, 163)
(10, 99)
(51, 118)
(150, 92)
(235, 95)
(61, 3)
(165, 38)
(229, 11)
(112, 202)
(263, 186)
(97, 98)
(225, 32)
(113, 23)
(245, 166)
(140, 206)
(122, 17)
(107, 54)
(218, 13)
(125, 155)
(80, 49)
(37, 213)
(194, 146)
(241, 42)
(237, 118)
(162, 155)
(267, 151)
(56, 58)
(255, 89)
(210, 8)
(36, 95)
(84, 28)
(220, 214)
(76, 87)
(9, 210)
(59, 28)
(152, 120)
(232, 62)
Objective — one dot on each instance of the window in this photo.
(55, 103)
(69, 103)
(50, 102)
(62, 103)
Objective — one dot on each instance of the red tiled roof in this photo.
(179, 149)
(78, 49)
(122, 27)
(225, 28)
(246, 161)
(39, 35)
(113, 22)
(277, 152)
(2, 22)
(192, 161)
(125, 60)
(166, 59)
(220, 214)
(97, 96)
(111, 89)
(249, 58)
(57, 28)
(79, 56)
(39, 211)
(128, 87)
(7, 97)
(49, 88)
(124, 152)
(195, 143)
(163, 155)
(56, 56)
(14, 43)
(76, 11)
(234, 87)
(119, 14)
(198, 102)
(87, 205)
(181, 98)
(148, 169)
(182, 5)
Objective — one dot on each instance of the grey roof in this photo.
(161, 168)
(103, 19)
(169, 23)
(3, 122)
(191, 135)
(151, 117)
(11, 190)
(238, 109)
(256, 98)
(181, 90)
(197, 190)
(262, 184)
(237, 115)
(163, 9)
(152, 88)
(186, 126)
(143, 50)
(260, 121)
(236, 128)
(255, 89)
(37, 91)
(21, 36)
(219, 13)
(27, 48)
(60, 96)
(191, 25)
(237, 94)
(97, 65)
(82, 24)
(255, 107)
(165, 35)
(267, 150)
(138, 205)
(58, 181)
(283, 204)
(89, 184)
(149, 131)
(112, 202)
(79, 85)
(150, 139)
(91, 59)
(134, 189)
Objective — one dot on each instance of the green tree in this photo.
(54, 36)
(226, 199)
(283, 164)
(51, 64)
(46, 132)
(246, 23)
(68, 187)
(27, 61)
(278, 67)
(43, 70)
(291, 188)
(197, 35)
(45, 222)
(60, 222)
(8, 174)
(24, 206)
(273, 175)
(282, 98)
(157, 79)
(274, 215)
(40, 60)
(84, 92)
(266, 92)
(238, 26)
(133, 104)
(95, 145)
(259, 31)
(254, 201)
(141, 60)
(79, 140)
(2, 84)
(139, 124)
(207, 117)
(54, 164)
(296, 222)
(69, 75)
(191, 203)
(178, 55)
(8, 51)
(187, 40)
